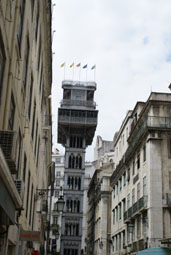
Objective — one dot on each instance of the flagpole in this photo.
(73, 73)
(80, 73)
(64, 72)
(94, 74)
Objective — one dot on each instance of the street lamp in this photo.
(60, 204)
(101, 245)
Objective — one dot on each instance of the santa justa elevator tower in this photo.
(77, 121)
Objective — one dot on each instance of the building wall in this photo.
(140, 182)
(25, 31)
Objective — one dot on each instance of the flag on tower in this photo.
(85, 66)
(78, 65)
(62, 65)
(72, 65)
(93, 67)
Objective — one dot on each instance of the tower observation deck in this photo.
(77, 121)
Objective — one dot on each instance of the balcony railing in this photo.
(149, 122)
(79, 120)
(78, 103)
(136, 208)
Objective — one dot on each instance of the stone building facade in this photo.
(99, 199)
(141, 216)
(77, 121)
(25, 126)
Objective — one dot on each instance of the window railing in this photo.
(77, 119)
(78, 103)
(136, 208)
(149, 122)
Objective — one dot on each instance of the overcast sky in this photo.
(129, 41)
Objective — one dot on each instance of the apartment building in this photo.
(25, 126)
(140, 207)
(99, 199)
(77, 121)
(56, 217)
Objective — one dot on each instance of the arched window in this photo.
(76, 182)
(80, 162)
(79, 183)
(72, 182)
(75, 206)
(67, 205)
(70, 159)
(77, 162)
(73, 162)
(69, 181)
(78, 206)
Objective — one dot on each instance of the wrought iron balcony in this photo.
(149, 122)
(136, 208)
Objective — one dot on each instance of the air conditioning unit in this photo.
(20, 188)
(8, 143)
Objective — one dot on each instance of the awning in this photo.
(155, 251)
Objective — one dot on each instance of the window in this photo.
(55, 220)
(58, 160)
(67, 94)
(133, 167)
(2, 63)
(113, 216)
(19, 151)
(37, 22)
(36, 138)
(120, 183)
(124, 205)
(37, 160)
(90, 95)
(28, 191)
(41, 75)
(26, 62)
(138, 228)
(56, 193)
(30, 97)
(123, 236)
(169, 146)
(138, 160)
(124, 179)
(138, 191)
(144, 153)
(114, 192)
(31, 205)
(33, 119)
(39, 53)
(11, 113)
(116, 213)
(144, 186)
(120, 210)
(116, 189)
(58, 174)
(24, 167)
(133, 196)
(57, 183)
(20, 22)
(128, 201)
(128, 178)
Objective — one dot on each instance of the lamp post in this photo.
(60, 204)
